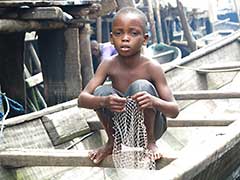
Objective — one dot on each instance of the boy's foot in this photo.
(155, 154)
(99, 154)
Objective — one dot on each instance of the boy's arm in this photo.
(166, 102)
(86, 98)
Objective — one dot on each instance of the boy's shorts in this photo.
(136, 86)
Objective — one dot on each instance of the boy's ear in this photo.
(111, 38)
(146, 36)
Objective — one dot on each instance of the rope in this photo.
(206, 70)
(4, 117)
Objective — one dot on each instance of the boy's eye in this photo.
(117, 33)
(134, 33)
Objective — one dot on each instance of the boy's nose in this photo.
(125, 37)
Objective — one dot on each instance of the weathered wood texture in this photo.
(186, 28)
(125, 3)
(11, 66)
(207, 94)
(60, 58)
(107, 6)
(216, 158)
(33, 3)
(95, 124)
(50, 157)
(227, 67)
(67, 124)
(37, 13)
(10, 26)
(185, 78)
(38, 114)
(152, 21)
(85, 54)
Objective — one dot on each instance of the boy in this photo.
(133, 75)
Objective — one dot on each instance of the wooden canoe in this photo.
(202, 143)
(164, 53)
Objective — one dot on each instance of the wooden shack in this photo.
(62, 30)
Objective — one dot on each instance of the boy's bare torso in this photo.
(122, 74)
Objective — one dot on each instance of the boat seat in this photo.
(216, 68)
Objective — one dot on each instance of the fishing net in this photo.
(130, 139)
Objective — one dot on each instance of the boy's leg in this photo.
(154, 120)
(104, 116)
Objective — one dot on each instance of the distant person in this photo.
(133, 75)
(101, 51)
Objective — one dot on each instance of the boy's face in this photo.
(128, 35)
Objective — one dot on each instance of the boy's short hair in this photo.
(132, 10)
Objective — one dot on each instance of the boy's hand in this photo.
(115, 103)
(144, 100)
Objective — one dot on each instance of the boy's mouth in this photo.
(124, 48)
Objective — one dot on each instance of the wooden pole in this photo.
(212, 13)
(236, 4)
(85, 55)
(99, 29)
(186, 29)
(152, 21)
(159, 23)
(125, 3)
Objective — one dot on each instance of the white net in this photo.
(130, 139)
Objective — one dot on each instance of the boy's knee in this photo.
(142, 85)
(103, 91)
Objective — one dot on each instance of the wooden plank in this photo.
(37, 13)
(34, 80)
(32, 116)
(62, 47)
(10, 25)
(11, 66)
(95, 124)
(199, 123)
(206, 94)
(228, 65)
(216, 158)
(53, 157)
(33, 3)
(41, 13)
(216, 68)
(66, 125)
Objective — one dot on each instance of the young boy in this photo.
(132, 75)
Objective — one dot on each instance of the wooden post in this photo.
(85, 55)
(60, 58)
(186, 29)
(99, 29)
(11, 66)
(125, 3)
(237, 4)
(212, 13)
(159, 23)
(152, 22)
